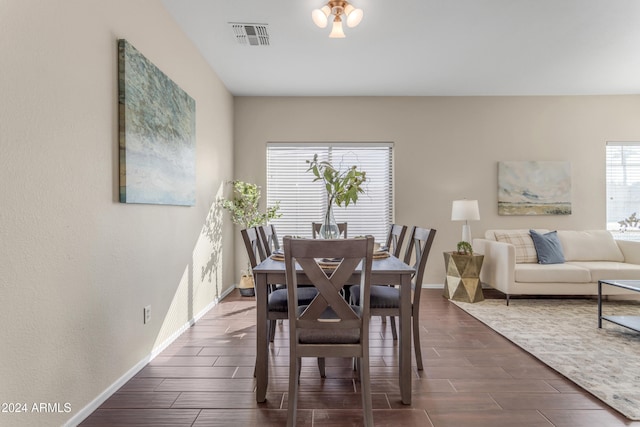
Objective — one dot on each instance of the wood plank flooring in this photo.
(472, 377)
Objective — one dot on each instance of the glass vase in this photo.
(329, 228)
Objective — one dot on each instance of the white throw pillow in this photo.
(589, 245)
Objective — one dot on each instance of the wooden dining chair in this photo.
(277, 299)
(328, 326)
(395, 239)
(385, 300)
(253, 245)
(269, 238)
(393, 245)
(270, 244)
(315, 229)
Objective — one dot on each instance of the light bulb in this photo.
(336, 30)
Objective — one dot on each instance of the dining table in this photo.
(389, 271)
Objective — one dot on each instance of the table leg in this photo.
(262, 339)
(599, 304)
(405, 339)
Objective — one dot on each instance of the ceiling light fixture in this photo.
(338, 9)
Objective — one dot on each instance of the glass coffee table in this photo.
(631, 322)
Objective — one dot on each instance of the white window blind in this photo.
(623, 187)
(303, 201)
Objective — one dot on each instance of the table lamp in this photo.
(465, 210)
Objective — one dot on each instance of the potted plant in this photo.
(343, 187)
(464, 248)
(245, 212)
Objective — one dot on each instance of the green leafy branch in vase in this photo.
(343, 187)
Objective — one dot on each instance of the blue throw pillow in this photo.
(548, 247)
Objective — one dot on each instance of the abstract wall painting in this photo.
(534, 188)
(156, 134)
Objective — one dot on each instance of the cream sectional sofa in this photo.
(511, 265)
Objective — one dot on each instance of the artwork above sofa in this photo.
(511, 263)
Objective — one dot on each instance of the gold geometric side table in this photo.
(463, 277)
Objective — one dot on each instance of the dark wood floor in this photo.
(472, 377)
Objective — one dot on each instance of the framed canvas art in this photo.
(534, 188)
(156, 134)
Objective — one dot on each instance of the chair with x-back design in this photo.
(277, 302)
(395, 239)
(385, 300)
(393, 245)
(328, 326)
(269, 238)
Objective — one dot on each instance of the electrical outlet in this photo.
(147, 314)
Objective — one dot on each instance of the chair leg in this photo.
(272, 330)
(323, 374)
(365, 382)
(384, 319)
(394, 331)
(294, 377)
(416, 340)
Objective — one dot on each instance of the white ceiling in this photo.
(423, 47)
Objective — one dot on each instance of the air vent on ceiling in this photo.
(251, 34)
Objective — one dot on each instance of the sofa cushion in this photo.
(551, 273)
(590, 245)
(521, 239)
(604, 270)
(548, 247)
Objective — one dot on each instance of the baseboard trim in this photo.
(82, 414)
(441, 286)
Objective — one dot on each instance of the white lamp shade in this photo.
(336, 30)
(465, 210)
(354, 16)
(319, 16)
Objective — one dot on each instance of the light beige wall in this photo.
(76, 266)
(448, 148)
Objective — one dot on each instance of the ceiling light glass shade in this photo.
(354, 16)
(320, 17)
(336, 30)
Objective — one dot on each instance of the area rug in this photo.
(564, 335)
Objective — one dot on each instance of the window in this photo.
(623, 188)
(303, 201)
